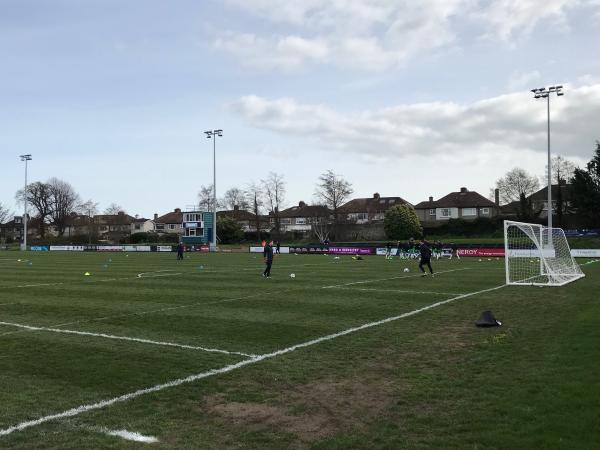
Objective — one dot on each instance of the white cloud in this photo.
(509, 125)
(523, 80)
(379, 34)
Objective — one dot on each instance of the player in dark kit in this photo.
(425, 257)
(268, 255)
(180, 249)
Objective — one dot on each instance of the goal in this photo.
(538, 255)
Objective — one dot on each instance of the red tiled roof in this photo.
(462, 199)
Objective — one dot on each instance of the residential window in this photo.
(485, 211)
(469, 211)
(362, 216)
(137, 226)
(160, 226)
(286, 221)
(171, 226)
(300, 221)
(446, 212)
(432, 212)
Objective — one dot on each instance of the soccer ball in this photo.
(292, 275)
(406, 269)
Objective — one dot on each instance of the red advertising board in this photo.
(487, 252)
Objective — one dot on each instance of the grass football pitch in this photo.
(205, 353)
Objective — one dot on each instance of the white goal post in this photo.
(538, 255)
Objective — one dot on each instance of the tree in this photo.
(586, 191)
(90, 209)
(4, 213)
(562, 173)
(39, 196)
(274, 190)
(516, 182)
(516, 186)
(254, 197)
(563, 170)
(333, 190)
(229, 230)
(64, 201)
(206, 198)
(320, 222)
(113, 209)
(401, 222)
(235, 197)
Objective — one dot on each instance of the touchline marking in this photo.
(128, 435)
(159, 387)
(398, 290)
(124, 338)
(387, 279)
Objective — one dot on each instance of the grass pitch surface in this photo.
(428, 380)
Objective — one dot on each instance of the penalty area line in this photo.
(124, 338)
(178, 382)
(387, 279)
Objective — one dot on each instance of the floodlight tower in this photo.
(545, 93)
(213, 135)
(24, 244)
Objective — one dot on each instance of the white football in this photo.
(292, 275)
(406, 269)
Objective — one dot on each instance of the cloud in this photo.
(376, 35)
(523, 80)
(505, 126)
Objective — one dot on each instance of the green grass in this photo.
(426, 381)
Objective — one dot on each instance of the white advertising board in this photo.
(66, 248)
(585, 253)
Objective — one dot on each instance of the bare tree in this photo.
(515, 184)
(254, 197)
(64, 201)
(333, 191)
(206, 198)
(320, 222)
(274, 191)
(90, 209)
(113, 209)
(563, 170)
(39, 196)
(4, 213)
(235, 197)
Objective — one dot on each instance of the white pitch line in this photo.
(130, 436)
(400, 291)
(6, 304)
(387, 279)
(124, 338)
(177, 382)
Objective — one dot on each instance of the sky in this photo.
(403, 98)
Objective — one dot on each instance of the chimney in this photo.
(497, 197)
(301, 204)
(463, 190)
(236, 207)
(177, 210)
(155, 216)
(430, 199)
(376, 195)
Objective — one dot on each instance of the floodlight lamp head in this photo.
(208, 134)
(219, 132)
(26, 157)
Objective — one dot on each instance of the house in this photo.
(12, 231)
(142, 225)
(113, 227)
(171, 222)
(367, 210)
(301, 218)
(245, 219)
(464, 204)
(539, 199)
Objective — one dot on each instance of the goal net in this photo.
(538, 255)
